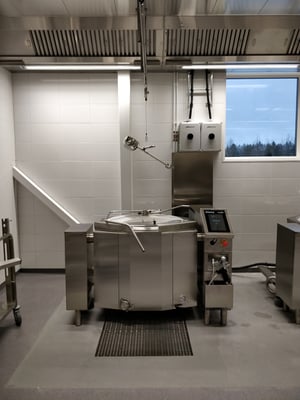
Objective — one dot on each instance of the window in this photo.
(261, 117)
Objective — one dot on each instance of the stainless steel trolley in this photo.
(8, 265)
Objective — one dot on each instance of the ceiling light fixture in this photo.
(80, 67)
(240, 66)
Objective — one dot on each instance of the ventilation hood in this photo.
(177, 32)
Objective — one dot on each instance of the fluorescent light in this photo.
(241, 66)
(81, 67)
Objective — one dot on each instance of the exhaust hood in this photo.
(177, 33)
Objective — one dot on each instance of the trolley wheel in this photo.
(17, 316)
(285, 307)
(278, 302)
(223, 316)
(206, 316)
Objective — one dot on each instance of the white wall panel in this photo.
(104, 113)
(242, 187)
(157, 132)
(242, 169)
(283, 186)
(285, 205)
(74, 113)
(152, 187)
(257, 205)
(286, 170)
(150, 170)
(103, 169)
(43, 113)
(154, 203)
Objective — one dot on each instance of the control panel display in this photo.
(216, 221)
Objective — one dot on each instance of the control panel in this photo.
(215, 264)
(214, 221)
(217, 243)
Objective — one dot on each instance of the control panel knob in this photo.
(190, 136)
(211, 136)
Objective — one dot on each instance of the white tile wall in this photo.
(67, 138)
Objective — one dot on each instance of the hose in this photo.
(268, 273)
(192, 94)
(249, 266)
(207, 94)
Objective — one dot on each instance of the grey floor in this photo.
(256, 356)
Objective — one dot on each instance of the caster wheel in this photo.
(17, 316)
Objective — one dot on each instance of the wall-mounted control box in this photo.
(189, 136)
(210, 136)
(197, 136)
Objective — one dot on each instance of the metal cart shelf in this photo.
(8, 265)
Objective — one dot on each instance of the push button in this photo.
(224, 242)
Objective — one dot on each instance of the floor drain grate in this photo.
(131, 336)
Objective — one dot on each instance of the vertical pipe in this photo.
(124, 130)
(175, 109)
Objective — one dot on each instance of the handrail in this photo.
(35, 189)
(12, 262)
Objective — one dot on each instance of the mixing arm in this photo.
(133, 144)
(129, 227)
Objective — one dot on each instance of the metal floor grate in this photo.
(130, 335)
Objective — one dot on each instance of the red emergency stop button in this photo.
(224, 243)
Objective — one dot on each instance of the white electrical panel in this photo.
(210, 136)
(189, 136)
(199, 136)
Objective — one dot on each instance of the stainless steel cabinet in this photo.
(288, 266)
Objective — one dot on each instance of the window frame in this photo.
(260, 75)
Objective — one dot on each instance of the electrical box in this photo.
(210, 136)
(199, 136)
(189, 136)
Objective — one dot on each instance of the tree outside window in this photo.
(261, 117)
